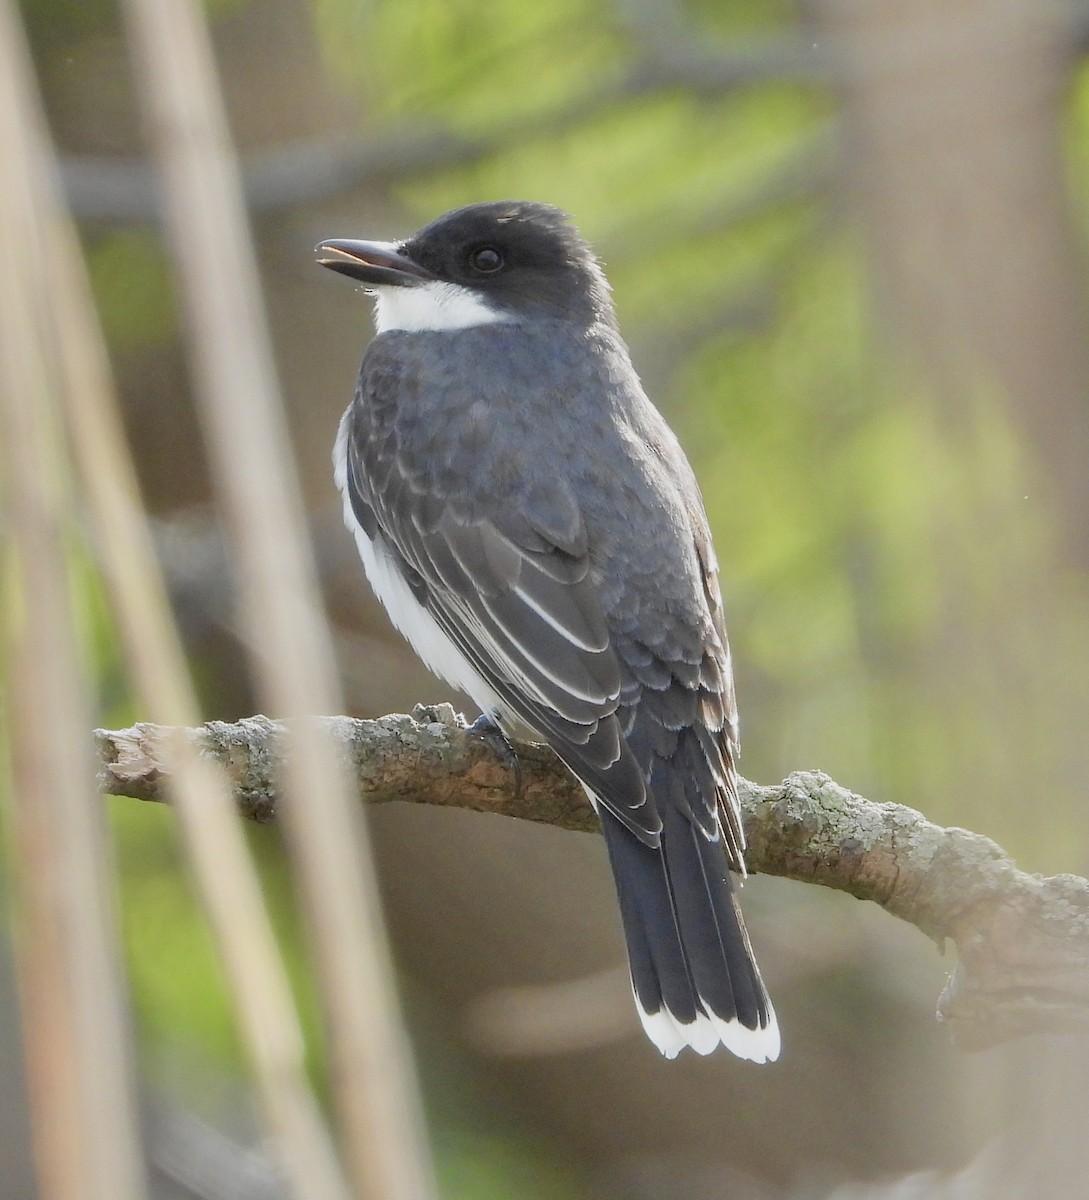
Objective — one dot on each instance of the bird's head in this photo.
(505, 261)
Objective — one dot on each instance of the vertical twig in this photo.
(226, 879)
(85, 1119)
(374, 1091)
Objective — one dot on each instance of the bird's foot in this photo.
(488, 730)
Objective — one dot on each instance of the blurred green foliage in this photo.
(476, 1166)
(471, 62)
(133, 285)
(855, 518)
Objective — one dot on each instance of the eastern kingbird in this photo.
(535, 531)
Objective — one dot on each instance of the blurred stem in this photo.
(74, 1013)
(288, 639)
(226, 878)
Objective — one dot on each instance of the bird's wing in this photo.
(513, 590)
(719, 708)
(680, 714)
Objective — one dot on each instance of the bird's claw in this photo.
(488, 730)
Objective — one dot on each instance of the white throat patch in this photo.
(431, 308)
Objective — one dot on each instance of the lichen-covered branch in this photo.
(1023, 940)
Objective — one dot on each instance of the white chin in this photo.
(431, 308)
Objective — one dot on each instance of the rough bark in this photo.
(1022, 940)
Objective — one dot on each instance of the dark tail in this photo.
(695, 980)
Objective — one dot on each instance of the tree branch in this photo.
(1023, 940)
(122, 190)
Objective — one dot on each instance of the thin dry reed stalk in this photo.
(74, 1010)
(288, 639)
(226, 880)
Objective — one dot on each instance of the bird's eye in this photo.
(486, 260)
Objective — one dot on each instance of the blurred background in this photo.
(847, 245)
